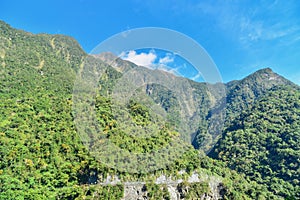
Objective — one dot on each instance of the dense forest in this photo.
(263, 141)
(256, 129)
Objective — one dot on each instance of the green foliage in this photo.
(242, 94)
(263, 142)
(123, 137)
(43, 157)
(193, 190)
(139, 113)
(41, 154)
(157, 192)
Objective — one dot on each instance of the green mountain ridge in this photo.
(43, 157)
(263, 140)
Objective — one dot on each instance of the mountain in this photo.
(260, 131)
(44, 156)
(241, 98)
(263, 141)
(114, 61)
(241, 94)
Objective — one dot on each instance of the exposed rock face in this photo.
(139, 192)
(177, 190)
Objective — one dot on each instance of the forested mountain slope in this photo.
(42, 155)
(263, 141)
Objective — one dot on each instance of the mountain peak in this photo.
(252, 87)
(266, 72)
(267, 77)
(267, 69)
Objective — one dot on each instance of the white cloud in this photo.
(149, 60)
(167, 59)
(143, 59)
(197, 76)
(268, 20)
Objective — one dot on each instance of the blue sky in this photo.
(240, 36)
